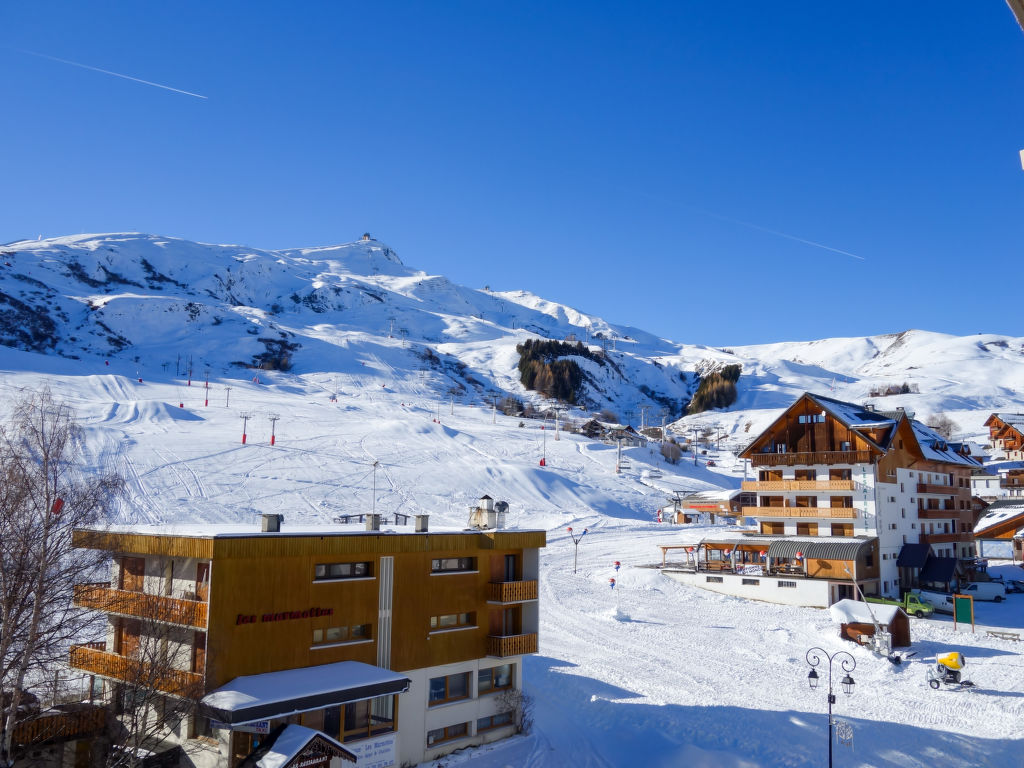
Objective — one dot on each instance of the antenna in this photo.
(274, 418)
(373, 506)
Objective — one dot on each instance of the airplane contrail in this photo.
(108, 72)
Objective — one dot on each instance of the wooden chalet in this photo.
(1006, 431)
(1003, 521)
(828, 468)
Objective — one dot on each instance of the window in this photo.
(811, 418)
(787, 584)
(450, 733)
(452, 564)
(331, 571)
(714, 579)
(903, 513)
(335, 635)
(494, 721)
(494, 679)
(449, 688)
(869, 559)
(452, 621)
(751, 582)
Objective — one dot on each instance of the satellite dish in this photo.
(501, 506)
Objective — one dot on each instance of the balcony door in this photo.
(133, 573)
(506, 621)
(199, 653)
(128, 631)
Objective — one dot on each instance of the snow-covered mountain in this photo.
(158, 302)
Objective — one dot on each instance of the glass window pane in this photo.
(437, 689)
(359, 569)
(448, 620)
(318, 635)
(321, 571)
(336, 634)
(458, 686)
(503, 676)
(360, 631)
(484, 680)
(455, 731)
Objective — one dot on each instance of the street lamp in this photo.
(847, 664)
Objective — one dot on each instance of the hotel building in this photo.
(390, 647)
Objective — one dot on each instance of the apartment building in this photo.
(374, 648)
(828, 470)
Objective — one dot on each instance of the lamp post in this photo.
(847, 664)
(576, 541)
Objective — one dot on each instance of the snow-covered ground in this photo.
(653, 673)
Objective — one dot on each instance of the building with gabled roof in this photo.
(1006, 432)
(1003, 520)
(836, 469)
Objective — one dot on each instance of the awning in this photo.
(835, 548)
(939, 569)
(275, 694)
(913, 556)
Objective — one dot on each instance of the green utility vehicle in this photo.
(911, 604)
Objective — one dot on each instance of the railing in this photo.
(839, 513)
(511, 645)
(809, 458)
(797, 485)
(177, 682)
(937, 514)
(511, 591)
(945, 538)
(944, 490)
(1011, 482)
(172, 610)
(62, 726)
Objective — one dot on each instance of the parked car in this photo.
(1014, 585)
(940, 601)
(985, 590)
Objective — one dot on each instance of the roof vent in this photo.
(271, 522)
(421, 523)
(373, 521)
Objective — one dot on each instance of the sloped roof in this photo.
(853, 415)
(819, 547)
(1013, 419)
(1005, 513)
(283, 746)
(913, 556)
(854, 611)
(935, 447)
(939, 569)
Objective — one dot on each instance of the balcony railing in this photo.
(172, 610)
(836, 513)
(176, 682)
(511, 645)
(60, 726)
(511, 591)
(809, 458)
(944, 490)
(797, 485)
(937, 514)
(945, 538)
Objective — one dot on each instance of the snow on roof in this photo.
(1013, 419)
(288, 689)
(242, 530)
(936, 448)
(290, 742)
(854, 611)
(998, 513)
(716, 494)
(853, 415)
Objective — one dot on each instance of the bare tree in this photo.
(44, 496)
(944, 425)
(155, 692)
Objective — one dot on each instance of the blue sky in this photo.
(610, 156)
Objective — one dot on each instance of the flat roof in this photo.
(248, 530)
(276, 694)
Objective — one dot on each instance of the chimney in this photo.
(486, 503)
(421, 523)
(373, 522)
(271, 522)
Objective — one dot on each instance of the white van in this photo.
(985, 590)
(942, 602)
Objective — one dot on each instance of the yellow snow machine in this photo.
(947, 671)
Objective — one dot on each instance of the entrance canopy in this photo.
(276, 694)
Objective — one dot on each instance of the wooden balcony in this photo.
(938, 514)
(945, 538)
(809, 458)
(835, 513)
(171, 610)
(511, 591)
(797, 485)
(943, 490)
(511, 645)
(177, 682)
(61, 726)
